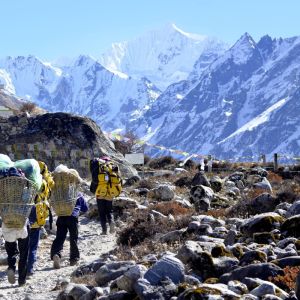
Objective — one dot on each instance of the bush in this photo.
(29, 107)
(143, 228)
(144, 183)
(288, 280)
(172, 208)
(162, 162)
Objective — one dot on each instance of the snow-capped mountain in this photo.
(239, 102)
(245, 103)
(165, 56)
(85, 88)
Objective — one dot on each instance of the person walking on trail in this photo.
(108, 188)
(65, 224)
(37, 220)
(38, 215)
(16, 246)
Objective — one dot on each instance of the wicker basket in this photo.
(16, 199)
(64, 194)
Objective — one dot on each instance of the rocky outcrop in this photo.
(58, 138)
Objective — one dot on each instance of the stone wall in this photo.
(58, 138)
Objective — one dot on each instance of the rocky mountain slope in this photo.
(244, 104)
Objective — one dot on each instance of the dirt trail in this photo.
(40, 286)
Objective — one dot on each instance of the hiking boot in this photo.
(112, 228)
(11, 276)
(22, 283)
(104, 232)
(56, 262)
(73, 262)
(30, 273)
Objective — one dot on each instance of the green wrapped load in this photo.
(5, 162)
(32, 171)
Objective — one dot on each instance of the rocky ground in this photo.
(184, 234)
(45, 283)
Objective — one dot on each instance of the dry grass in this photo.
(218, 213)
(288, 280)
(142, 228)
(274, 178)
(88, 279)
(171, 207)
(253, 193)
(143, 249)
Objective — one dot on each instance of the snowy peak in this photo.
(165, 56)
(171, 28)
(243, 49)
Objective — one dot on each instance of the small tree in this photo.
(128, 143)
(29, 107)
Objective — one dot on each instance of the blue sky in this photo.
(51, 29)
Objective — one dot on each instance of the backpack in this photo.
(42, 212)
(106, 181)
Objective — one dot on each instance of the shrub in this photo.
(29, 107)
(143, 228)
(162, 162)
(172, 208)
(274, 178)
(288, 280)
(146, 183)
(243, 208)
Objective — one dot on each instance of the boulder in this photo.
(146, 291)
(224, 264)
(78, 291)
(263, 185)
(263, 289)
(264, 237)
(93, 294)
(291, 226)
(201, 196)
(126, 282)
(262, 271)
(294, 209)
(259, 171)
(253, 256)
(290, 250)
(261, 223)
(237, 287)
(200, 179)
(188, 252)
(216, 184)
(290, 261)
(264, 203)
(168, 266)
(111, 271)
(163, 192)
(209, 291)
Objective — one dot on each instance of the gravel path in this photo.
(41, 286)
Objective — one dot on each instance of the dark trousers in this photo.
(34, 239)
(15, 249)
(105, 212)
(65, 224)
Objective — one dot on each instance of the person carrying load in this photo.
(106, 185)
(38, 215)
(19, 182)
(67, 204)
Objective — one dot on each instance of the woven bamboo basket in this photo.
(16, 199)
(64, 194)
